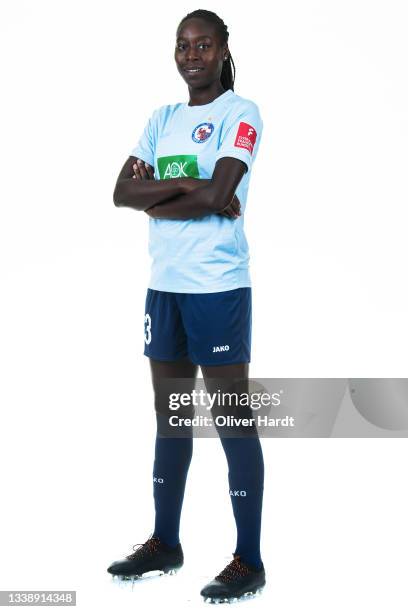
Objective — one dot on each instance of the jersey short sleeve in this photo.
(145, 147)
(241, 134)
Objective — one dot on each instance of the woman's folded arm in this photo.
(210, 198)
(143, 194)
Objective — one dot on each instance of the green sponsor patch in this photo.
(178, 166)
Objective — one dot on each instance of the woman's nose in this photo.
(192, 54)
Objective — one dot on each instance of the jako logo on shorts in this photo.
(178, 166)
(218, 349)
(202, 132)
(238, 493)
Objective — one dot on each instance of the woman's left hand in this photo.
(143, 171)
(233, 210)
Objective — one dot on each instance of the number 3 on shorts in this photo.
(147, 328)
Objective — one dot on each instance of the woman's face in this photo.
(198, 46)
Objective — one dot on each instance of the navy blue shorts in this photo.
(209, 328)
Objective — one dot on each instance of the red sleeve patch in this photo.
(246, 137)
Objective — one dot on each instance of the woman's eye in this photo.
(182, 47)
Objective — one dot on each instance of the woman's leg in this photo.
(245, 464)
(172, 454)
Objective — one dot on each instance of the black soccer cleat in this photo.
(237, 581)
(153, 555)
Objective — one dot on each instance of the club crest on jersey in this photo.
(202, 132)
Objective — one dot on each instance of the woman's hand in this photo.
(233, 210)
(143, 171)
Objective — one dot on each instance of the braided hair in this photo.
(227, 77)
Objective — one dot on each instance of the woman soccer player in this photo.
(190, 173)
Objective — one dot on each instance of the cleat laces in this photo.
(147, 548)
(234, 569)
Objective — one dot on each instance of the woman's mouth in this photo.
(193, 70)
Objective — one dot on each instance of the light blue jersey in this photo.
(208, 254)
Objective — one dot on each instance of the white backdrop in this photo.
(326, 224)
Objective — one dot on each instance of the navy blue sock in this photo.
(246, 481)
(171, 462)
